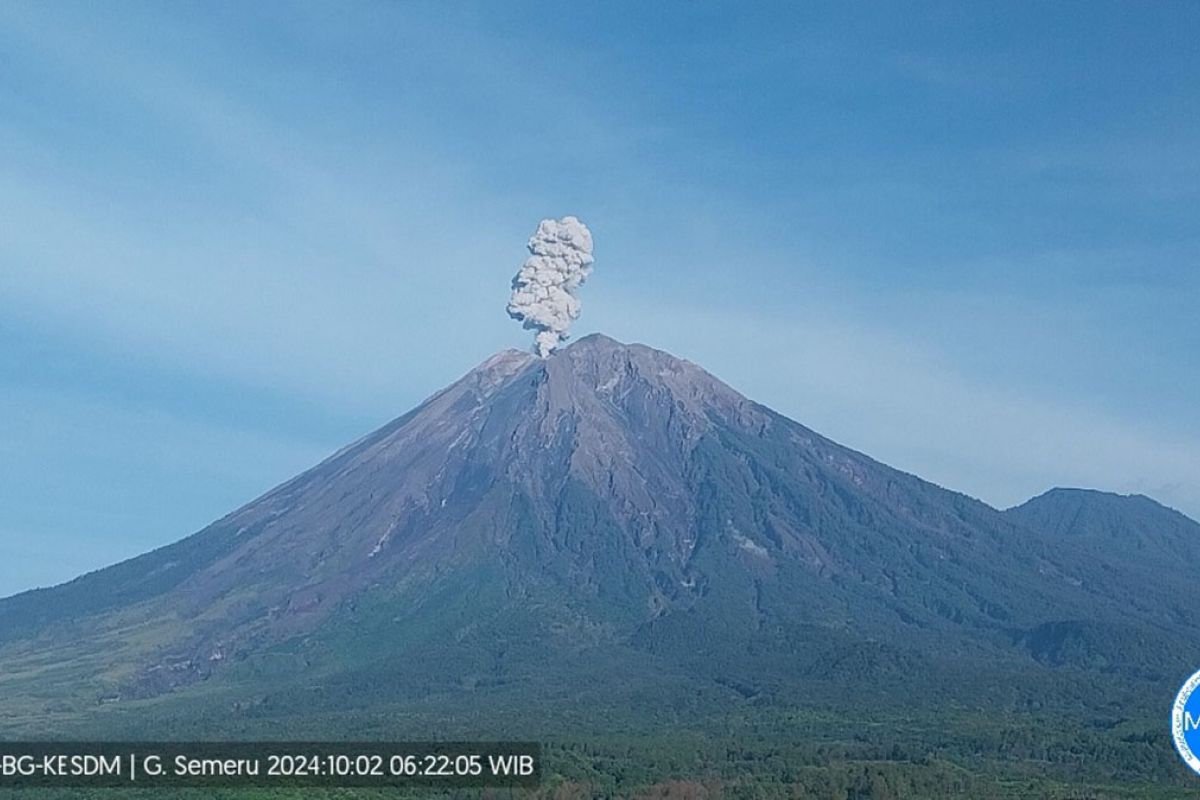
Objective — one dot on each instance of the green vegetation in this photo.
(667, 750)
(818, 755)
(682, 594)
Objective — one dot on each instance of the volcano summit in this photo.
(610, 523)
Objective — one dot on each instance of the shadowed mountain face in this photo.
(614, 515)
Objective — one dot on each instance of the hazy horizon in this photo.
(962, 242)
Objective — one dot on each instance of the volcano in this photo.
(614, 522)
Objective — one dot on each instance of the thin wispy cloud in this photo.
(908, 405)
(908, 243)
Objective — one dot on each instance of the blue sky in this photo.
(963, 238)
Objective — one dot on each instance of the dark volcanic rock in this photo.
(607, 510)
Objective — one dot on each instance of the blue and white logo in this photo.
(1185, 723)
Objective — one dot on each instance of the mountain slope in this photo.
(611, 516)
(1146, 554)
(1121, 525)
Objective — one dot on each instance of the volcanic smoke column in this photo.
(545, 290)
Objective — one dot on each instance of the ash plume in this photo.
(545, 290)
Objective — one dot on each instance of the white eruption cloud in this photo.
(545, 290)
